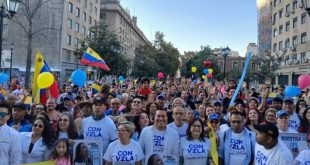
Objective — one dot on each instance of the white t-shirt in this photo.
(289, 130)
(237, 149)
(104, 130)
(163, 143)
(181, 130)
(303, 157)
(120, 154)
(278, 155)
(195, 151)
(294, 121)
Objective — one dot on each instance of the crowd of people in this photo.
(156, 122)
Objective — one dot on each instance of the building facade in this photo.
(119, 21)
(290, 40)
(57, 28)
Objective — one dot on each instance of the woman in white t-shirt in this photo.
(195, 148)
(124, 150)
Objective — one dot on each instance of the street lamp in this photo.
(11, 61)
(225, 53)
(306, 5)
(116, 51)
(12, 7)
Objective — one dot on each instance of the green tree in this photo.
(105, 43)
(192, 59)
(160, 56)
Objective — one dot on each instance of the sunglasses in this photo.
(3, 114)
(64, 120)
(37, 125)
(236, 122)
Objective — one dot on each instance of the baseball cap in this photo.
(99, 100)
(20, 106)
(214, 116)
(282, 113)
(161, 96)
(68, 98)
(277, 99)
(288, 99)
(268, 128)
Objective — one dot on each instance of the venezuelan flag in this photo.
(212, 138)
(40, 95)
(92, 58)
(96, 88)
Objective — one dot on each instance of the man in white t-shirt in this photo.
(282, 122)
(237, 143)
(98, 126)
(288, 105)
(268, 149)
(178, 124)
(159, 139)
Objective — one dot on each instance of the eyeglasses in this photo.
(3, 114)
(37, 125)
(137, 102)
(236, 122)
(115, 103)
(121, 130)
(39, 108)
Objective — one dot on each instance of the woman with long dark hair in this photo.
(82, 155)
(141, 121)
(65, 127)
(37, 145)
(305, 121)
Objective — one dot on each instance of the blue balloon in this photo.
(205, 71)
(120, 78)
(3, 77)
(292, 91)
(78, 77)
(195, 81)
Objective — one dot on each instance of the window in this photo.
(280, 45)
(5, 26)
(235, 65)
(69, 23)
(89, 20)
(294, 57)
(302, 57)
(84, 16)
(96, 10)
(287, 43)
(79, 1)
(275, 32)
(83, 30)
(70, 7)
(88, 33)
(253, 65)
(77, 27)
(76, 42)
(95, 22)
(294, 5)
(274, 48)
(280, 29)
(275, 2)
(68, 40)
(303, 18)
(295, 22)
(280, 13)
(287, 26)
(85, 4)
(77, 12)
(303, 38)
(288, 8)
(274, 18)
(294, 41)
(90, 7)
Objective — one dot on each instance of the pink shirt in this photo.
(63, 161)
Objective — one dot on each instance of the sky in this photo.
(190, 24)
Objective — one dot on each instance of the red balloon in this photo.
(160, 75)
(210, 76)
(207, 63)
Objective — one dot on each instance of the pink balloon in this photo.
(303, 81)
(160, 75)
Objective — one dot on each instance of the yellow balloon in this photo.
(121, 82)
(134, 82)
(204, 77)
(45, 80)
(210, 71)
(153, 82)
(194, 69)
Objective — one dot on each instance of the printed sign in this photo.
(294, 141)
(87, 152)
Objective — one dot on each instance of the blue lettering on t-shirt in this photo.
(124, 156)
(93, 132)
(307, 163)
(293, 124)
(196, 149)
(261, 159)
(236, 146)
(158, 140)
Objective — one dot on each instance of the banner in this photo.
(87, 152)
(294, 141)
(50, 162)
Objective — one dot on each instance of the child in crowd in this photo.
(62, 154)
